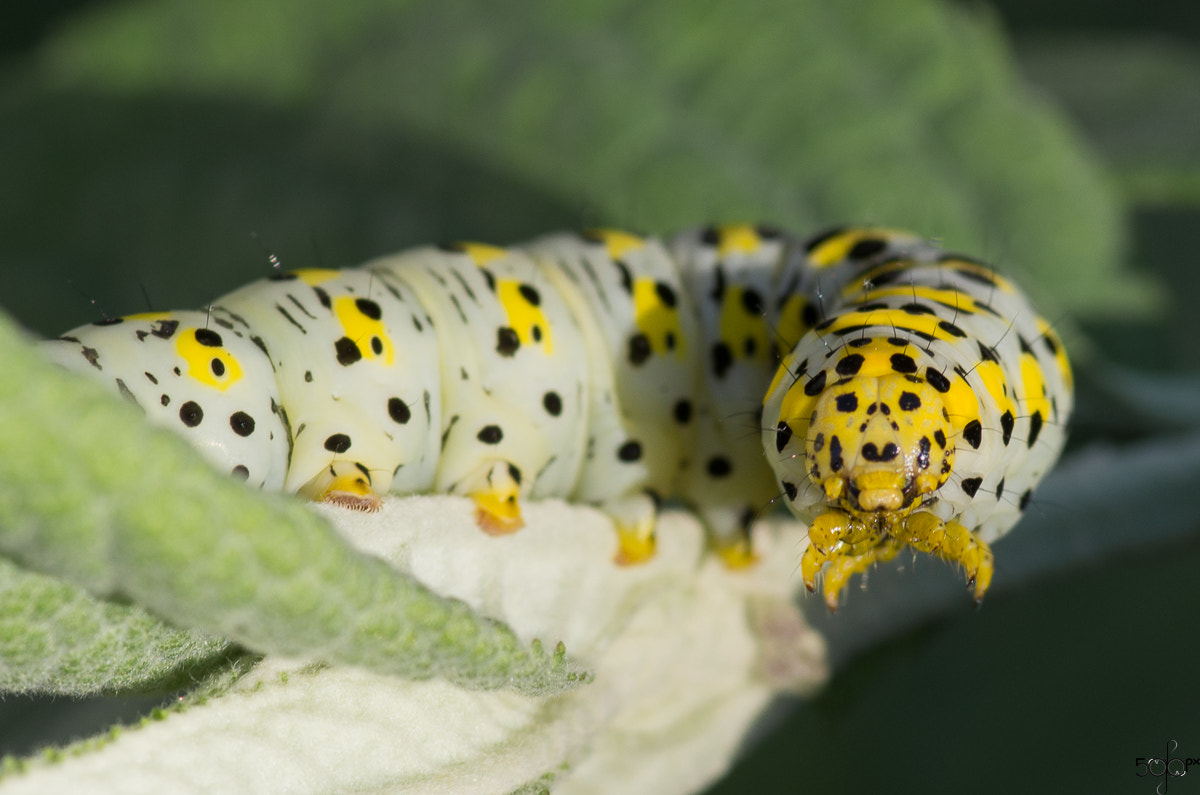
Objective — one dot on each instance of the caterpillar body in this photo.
(890, 393)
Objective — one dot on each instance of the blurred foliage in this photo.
(161, 135)
(1139, 101)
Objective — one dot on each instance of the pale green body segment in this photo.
(730, 274)
(356, 368)
(513, 371)
(889, 393)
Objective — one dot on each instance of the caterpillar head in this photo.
(871, 433)
(878, 444)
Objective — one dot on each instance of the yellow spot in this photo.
(481, 253)
(1060, 353)
(342, 484)
(200, 359)
(948, 298)
(617, 243)
(737, 239)
(739, 325)
(149, 316)
(835, 487)
(880, 480)
(791, 321)
(877, 358)
(784, 369)
(353, 492)
(796, 406)
(993, 379)
(497, 511)
(635, 544)
(895, 318)
(835, 249)
(524, 315)
(973, 267)
(314, 276)
(1033, 387)
(656, 319)
(363, 330)
(350, 484)
(736, 555)
(870, 277)
(960, 402)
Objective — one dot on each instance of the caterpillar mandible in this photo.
(890, 393)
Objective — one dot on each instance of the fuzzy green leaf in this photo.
(55, 638)
(162, 528)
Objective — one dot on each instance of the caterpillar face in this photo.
(892, 394)
(871, 444)
(921, 412)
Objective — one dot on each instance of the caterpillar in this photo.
(890, 393)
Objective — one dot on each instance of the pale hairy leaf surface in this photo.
(56, 638)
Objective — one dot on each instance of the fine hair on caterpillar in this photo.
(903, 395)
